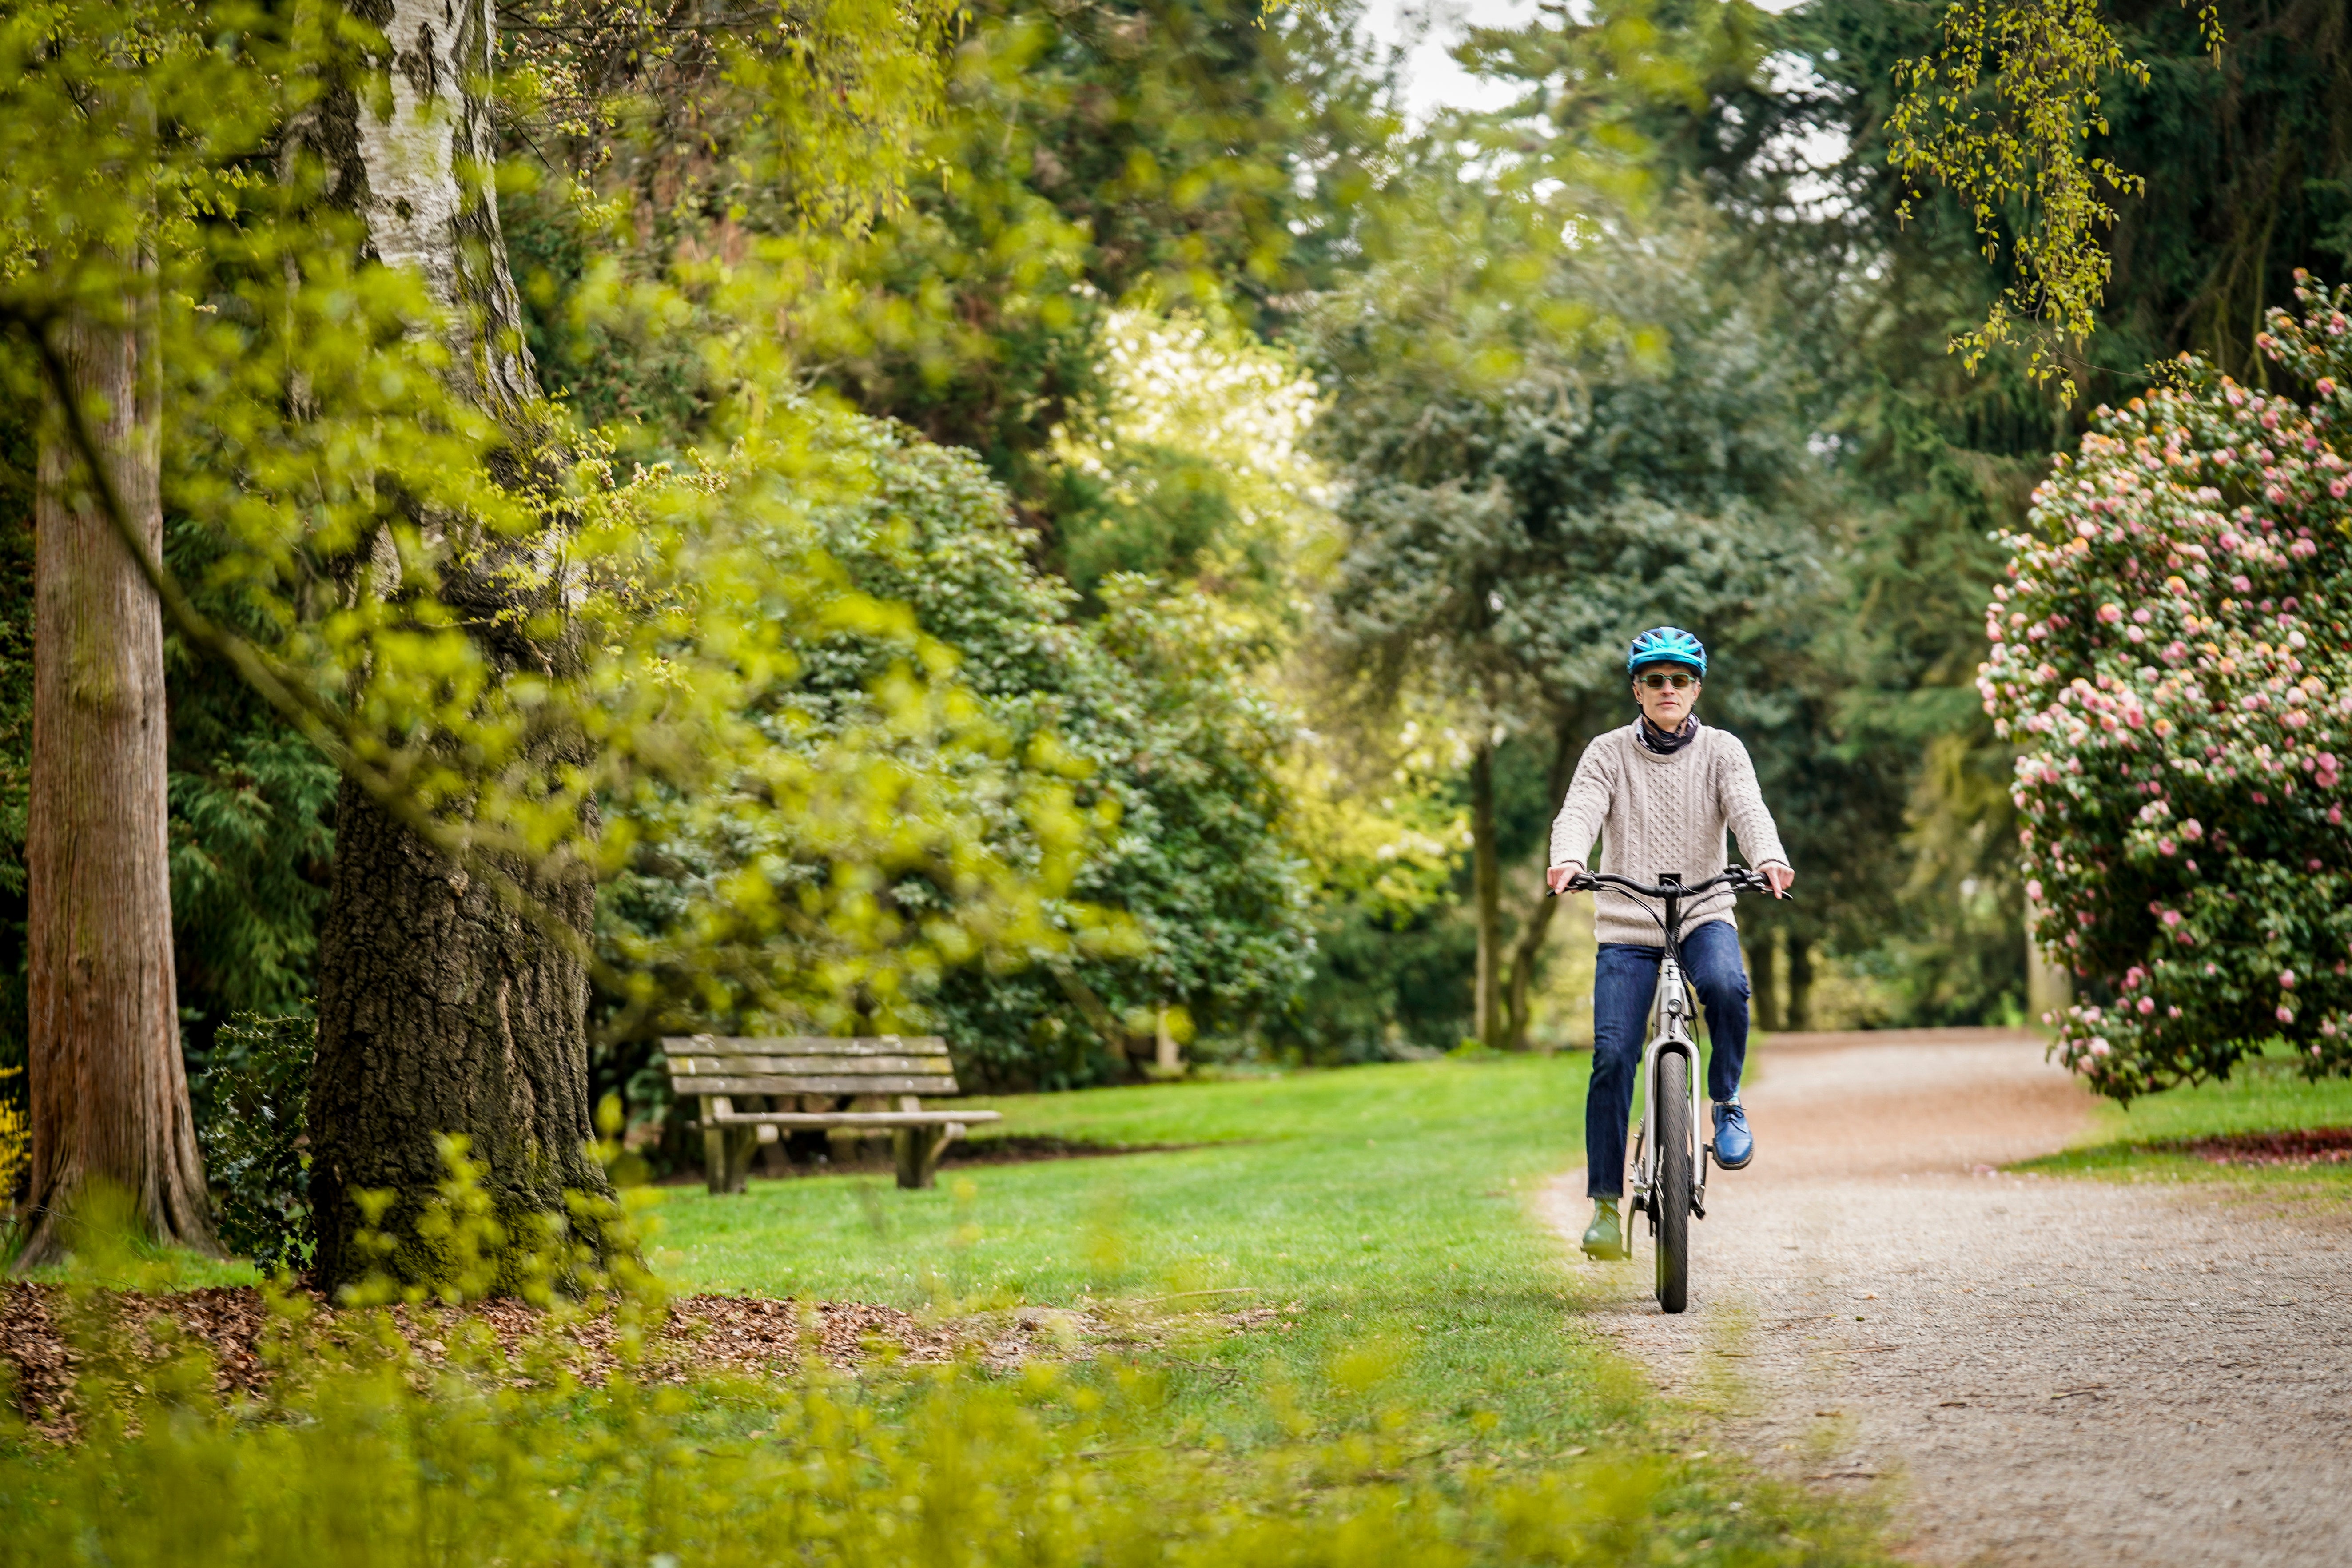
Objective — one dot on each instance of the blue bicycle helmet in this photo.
(1667, 644)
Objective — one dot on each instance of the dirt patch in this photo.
(2315, 1146)
(698, 1335)
(2035, 1371)
(42, 1333)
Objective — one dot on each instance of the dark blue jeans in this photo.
(1624, 980)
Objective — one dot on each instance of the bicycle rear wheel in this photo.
(1670, 1198)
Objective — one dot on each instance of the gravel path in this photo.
(2037, 1372)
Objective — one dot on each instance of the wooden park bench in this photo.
(813, 1081)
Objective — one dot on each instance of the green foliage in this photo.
(253, 1107)
(1142, 717)
(1182, 151)
(350, 1463)
(1508, 538)
(2171, 658)
(2048, 58)
(353, 502)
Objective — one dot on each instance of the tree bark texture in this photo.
(441, 1009)
(408, 143)
(110, 1094)
(1529, 949)
(1487, 899)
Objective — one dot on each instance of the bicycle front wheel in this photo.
(1670, 1198)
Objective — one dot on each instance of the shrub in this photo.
(256, 1101)
(2171, 657)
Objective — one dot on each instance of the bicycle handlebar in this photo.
(1740, 878)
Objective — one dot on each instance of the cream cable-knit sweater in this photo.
(1662, 815)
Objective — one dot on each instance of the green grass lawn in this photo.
(2266, 1094)
(1391, 1204)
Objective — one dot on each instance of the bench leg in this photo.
(714, 1149)
(741, 1143)
(919, 1150)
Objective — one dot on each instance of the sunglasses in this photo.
(1659, 679)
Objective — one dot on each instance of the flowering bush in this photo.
(2171, 657)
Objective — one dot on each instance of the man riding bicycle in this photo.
(1661, 792)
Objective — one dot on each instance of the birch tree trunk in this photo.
(441, 1009)
(110, 1094)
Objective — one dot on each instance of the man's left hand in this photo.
(1780, 877)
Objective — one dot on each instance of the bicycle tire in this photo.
(1670, 1198)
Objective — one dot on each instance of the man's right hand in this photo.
(1558, 878)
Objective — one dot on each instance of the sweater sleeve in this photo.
(1582, 813)
(1742, 802)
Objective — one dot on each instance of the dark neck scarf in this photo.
(1668, 743)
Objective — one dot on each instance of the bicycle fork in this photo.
(1670, 1032)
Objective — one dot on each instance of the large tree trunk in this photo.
(110, 1095)
(1487, 899)
(441, 1010)
(1799, 1013)
(1536, 925)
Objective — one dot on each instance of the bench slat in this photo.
(857, 1117)
(805, 1046)
(685, 1066)
(780, 1084)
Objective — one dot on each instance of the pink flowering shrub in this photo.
(2170, 659)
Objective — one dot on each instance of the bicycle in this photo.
(1669, 1178)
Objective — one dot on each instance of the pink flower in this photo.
(2111, 613)
(2033, 888)
(2192, 829)
(2148, 1005)
(2166, 846)
(2286, 1014)
(2142, 616)
(2243, 585)
(2334, 814)
(2172, 917)
(2172, 1012)
(2100, 1047)
(2134, 634)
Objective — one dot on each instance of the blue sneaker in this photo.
(1734, 1144)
